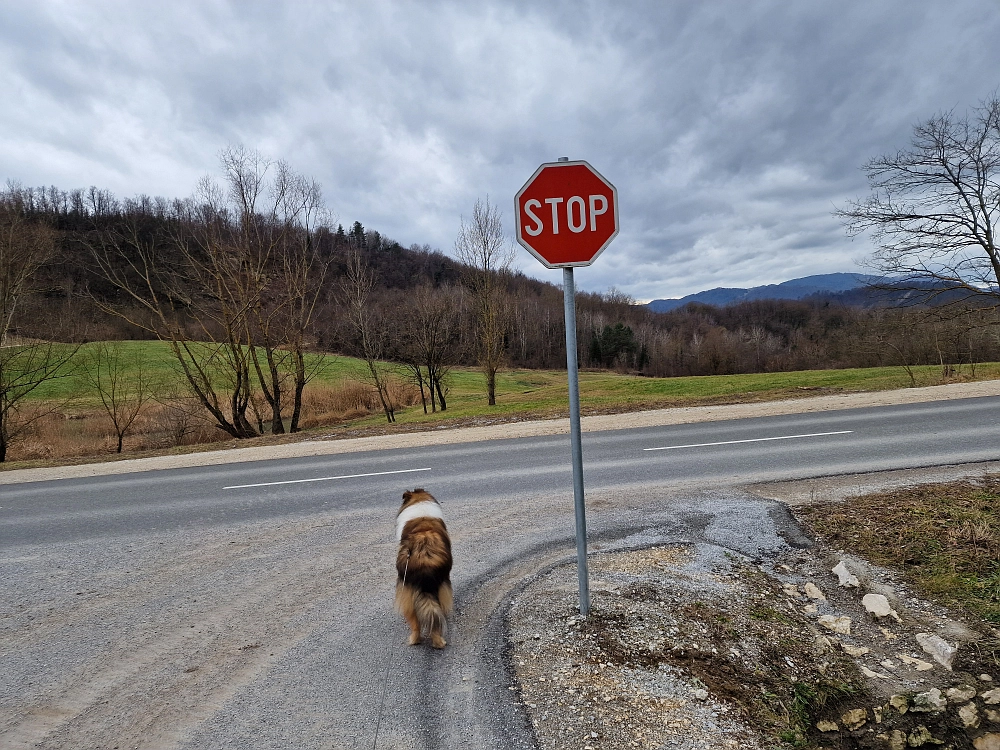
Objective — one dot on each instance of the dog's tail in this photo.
(430, 609)
(430, 614)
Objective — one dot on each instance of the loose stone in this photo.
(991, 697)
(940, 650)
(813, 592)
(960, 694)
(920, 737)
(855, 718)
(873, 674)
(838, 624)
(919, 664)
(897, 740)
(878, 606)
(827, 726)
(989, 741)
(969, 716)
(992, 716)
(846, 578)
(930, 702)
(899, 702)
(855, 650)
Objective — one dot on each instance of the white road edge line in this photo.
(753, 440)
(323, 479)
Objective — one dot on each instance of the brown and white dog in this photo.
(423, 565)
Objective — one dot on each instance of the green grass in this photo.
(944, 537)
(544, 393)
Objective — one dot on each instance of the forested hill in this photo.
(70, 293)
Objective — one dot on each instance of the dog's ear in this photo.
(407, 495)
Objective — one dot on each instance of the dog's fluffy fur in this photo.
(423, 565)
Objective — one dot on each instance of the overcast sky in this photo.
(730, 128)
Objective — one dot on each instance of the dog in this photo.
(423, 567)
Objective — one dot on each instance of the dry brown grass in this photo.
(80, 433)
(330, 404)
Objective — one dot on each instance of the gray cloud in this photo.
(731, 129)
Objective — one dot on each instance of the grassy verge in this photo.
(945, 538)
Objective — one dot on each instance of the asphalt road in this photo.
(249, 605)
(703, 455)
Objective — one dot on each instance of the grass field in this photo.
(545, 391)
(336, 396)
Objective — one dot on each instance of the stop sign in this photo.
(566, 214)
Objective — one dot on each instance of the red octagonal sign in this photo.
(566, 214)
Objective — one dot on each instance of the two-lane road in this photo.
(706, 455)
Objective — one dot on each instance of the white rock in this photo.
(701, 694)
(827, 726)
(878, 606)
(991, 697)
(855, 650)
(846, 577)
(813, 592)
(790, 589)
(939, 649)
(989, 741)
(810, 609)
(838, 624)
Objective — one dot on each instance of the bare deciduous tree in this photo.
(369, 326)
(934, 208)
(237, 294)
(429, 339)
(122, 383)
(25, 365)
(487, 253)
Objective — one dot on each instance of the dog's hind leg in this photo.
(406, 605)
(439, 625)
(411, 619)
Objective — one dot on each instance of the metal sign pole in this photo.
(569, 303)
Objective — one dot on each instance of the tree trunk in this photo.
(491, 387)
(440, 393)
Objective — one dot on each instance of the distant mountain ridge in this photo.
(824, 283)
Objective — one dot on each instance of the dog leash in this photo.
(388, 665)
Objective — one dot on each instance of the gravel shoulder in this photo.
(691, 645)
(596, 423)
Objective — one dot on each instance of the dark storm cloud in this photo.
(731, 129)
